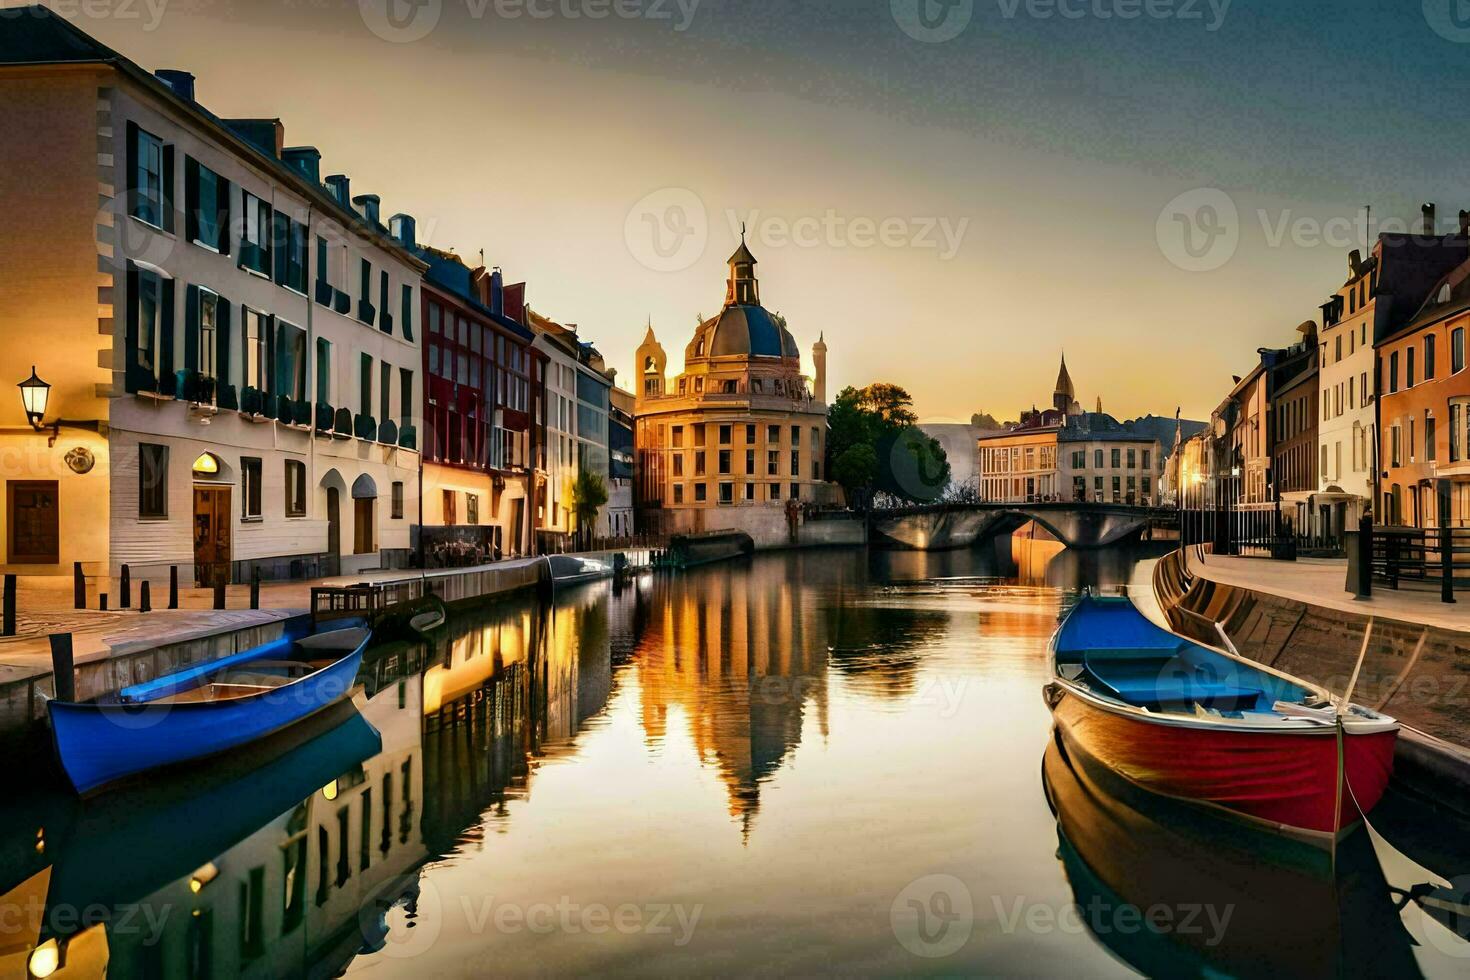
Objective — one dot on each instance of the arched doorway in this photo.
(364, 516)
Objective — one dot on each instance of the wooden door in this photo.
(33, 510)
(334, 523)
(212, 517)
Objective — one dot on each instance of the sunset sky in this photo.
(951, 213)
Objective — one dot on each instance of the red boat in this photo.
(1210, 727)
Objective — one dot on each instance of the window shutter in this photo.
(191, 199)
(166, 334)
(222, 337)
(270, 356)
(131, 184)
(280, 227)
(191, 329)
(130, 337)
(224, 190)
(167, 205)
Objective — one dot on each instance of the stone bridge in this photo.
(943, 527)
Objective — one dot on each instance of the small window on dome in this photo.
(1444, 293)
(699, 351)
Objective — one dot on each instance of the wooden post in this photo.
(1365, 557)
(125, 589)
(255, 587)
(173, 586)
(8, 627)
(63, 669)
(145, 598)
(78, 586)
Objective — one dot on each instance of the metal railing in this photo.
(1436, 556)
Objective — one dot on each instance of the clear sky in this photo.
(952, 194)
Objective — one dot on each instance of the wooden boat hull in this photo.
(100, 745)
(1285, 780)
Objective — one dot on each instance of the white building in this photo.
(257, 395)
(1347, 430)
(560, 349)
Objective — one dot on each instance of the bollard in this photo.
(145, 598)
(8, 627)
(255, 587)
(173, 586)
(78, 586)
(219, 593)
(125, 589)
(1365, 557)
(63, 670)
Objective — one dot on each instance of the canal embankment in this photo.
(123, 647)
(1299, 619)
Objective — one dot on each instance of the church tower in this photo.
(1064, 399)
(652, 366)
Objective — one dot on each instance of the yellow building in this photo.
(1019, 466)
(739, 436)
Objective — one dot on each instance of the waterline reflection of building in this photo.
(740, 658)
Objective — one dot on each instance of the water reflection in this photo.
(784, 745)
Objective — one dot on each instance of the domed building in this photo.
(741, 433)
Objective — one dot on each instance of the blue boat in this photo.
(206, 709)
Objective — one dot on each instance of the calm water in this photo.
(829, 762)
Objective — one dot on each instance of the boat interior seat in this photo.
(1166, 681)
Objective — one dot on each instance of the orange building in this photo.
(1424, 410)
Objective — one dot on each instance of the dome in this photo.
(743, 331)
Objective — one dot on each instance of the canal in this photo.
(820, 762)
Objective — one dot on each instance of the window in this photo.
(206, 207)
(1457, 350)
(365, 385)
(288, 242)
(773, 434)
(385, 391)
(323, 371)
(407, 313)
(451, 513)
(1395, 452)
(289, 366)
(727, 494)
(1455, 444)
(1148, 455)
(678, 464)
(726, 464)
(677, 435)
(750, 462)
(773, 462)
(1079, 459)
(206, 317)
(295, 488)
(750, 435)
(678, 493)
(1393, 372)
(775, 491)
(152, 167)
(1430, 449)
(1429, 343)
(255, 237)
(386, 324)
(699, 464)
(1409, 378)
(397, 501)
(150, 329)
(253, 335)
(701, 492)
(250, 488)
(405, 398)
(1117, 459)
(795, 436)
(1097, 459)
(152, 482)
(1133, 459)
(472, 508)
(795, 462)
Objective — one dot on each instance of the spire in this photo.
(649, 338)
(1064, 381)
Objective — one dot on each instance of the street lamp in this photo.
(34, 394)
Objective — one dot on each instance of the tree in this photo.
(589, 496)
(856, 470)
(907, 464)
(984, 421)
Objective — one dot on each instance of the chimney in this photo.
(266, 135)
(1355, 261)
(405, 230)
(306, 161)
(1428, 211)
(497, 292)
(341, 188)
(368, 206)
(182, 82)
(1465, 224)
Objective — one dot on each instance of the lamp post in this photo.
(35, 394)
